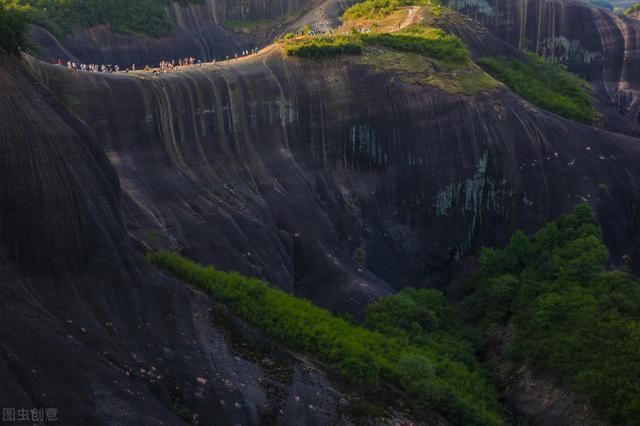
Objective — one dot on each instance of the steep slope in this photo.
(595, 43)
(86, 327)
(292, 170)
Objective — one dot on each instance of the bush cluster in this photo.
(633, 9)
(431, 42)
(549, 86)
(360, 355)
(573, 318)
(314, 47)
(12, 29)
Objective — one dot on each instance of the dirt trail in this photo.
(412, 17)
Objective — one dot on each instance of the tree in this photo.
(12, 30)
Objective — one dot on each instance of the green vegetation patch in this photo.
(60, 17)
(633, 9)
(417, 55)
(549, 86)
(12, 29)
(417, 352)
(412, 68)
(431, 42)
(375, 9)
(314, 47)
(573, 318)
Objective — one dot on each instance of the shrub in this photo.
(12, 29)
(633, 9)
(572, 316)
(431, 42)
(357, 354)
(549, 86)
(313, 47)
(414, 368)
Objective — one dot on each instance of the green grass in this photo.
(430, 42)
(548, 86)
(314, 47)
(633, 9)
(431, 362)
(146, 17)
(375, 9)
(574, 318)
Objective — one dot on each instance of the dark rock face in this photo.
(198, 32)
(292, 170)
(595, 43)
(85, 326)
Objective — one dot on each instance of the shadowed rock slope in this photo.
(294, 170)
(85, 326)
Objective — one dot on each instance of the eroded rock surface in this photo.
(294, 170)
(86, 327)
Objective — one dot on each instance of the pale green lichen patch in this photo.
(471, 195)
(365, 142)
(412, 68)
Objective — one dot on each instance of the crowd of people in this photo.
(91, 67)
(313, 32)
(165, 66)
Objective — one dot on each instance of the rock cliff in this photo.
(87, 329)
(336, 180)
(306, 172)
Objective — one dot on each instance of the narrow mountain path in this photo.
(412, 17)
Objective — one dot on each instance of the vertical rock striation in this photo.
(86, 327)
(294, 171)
